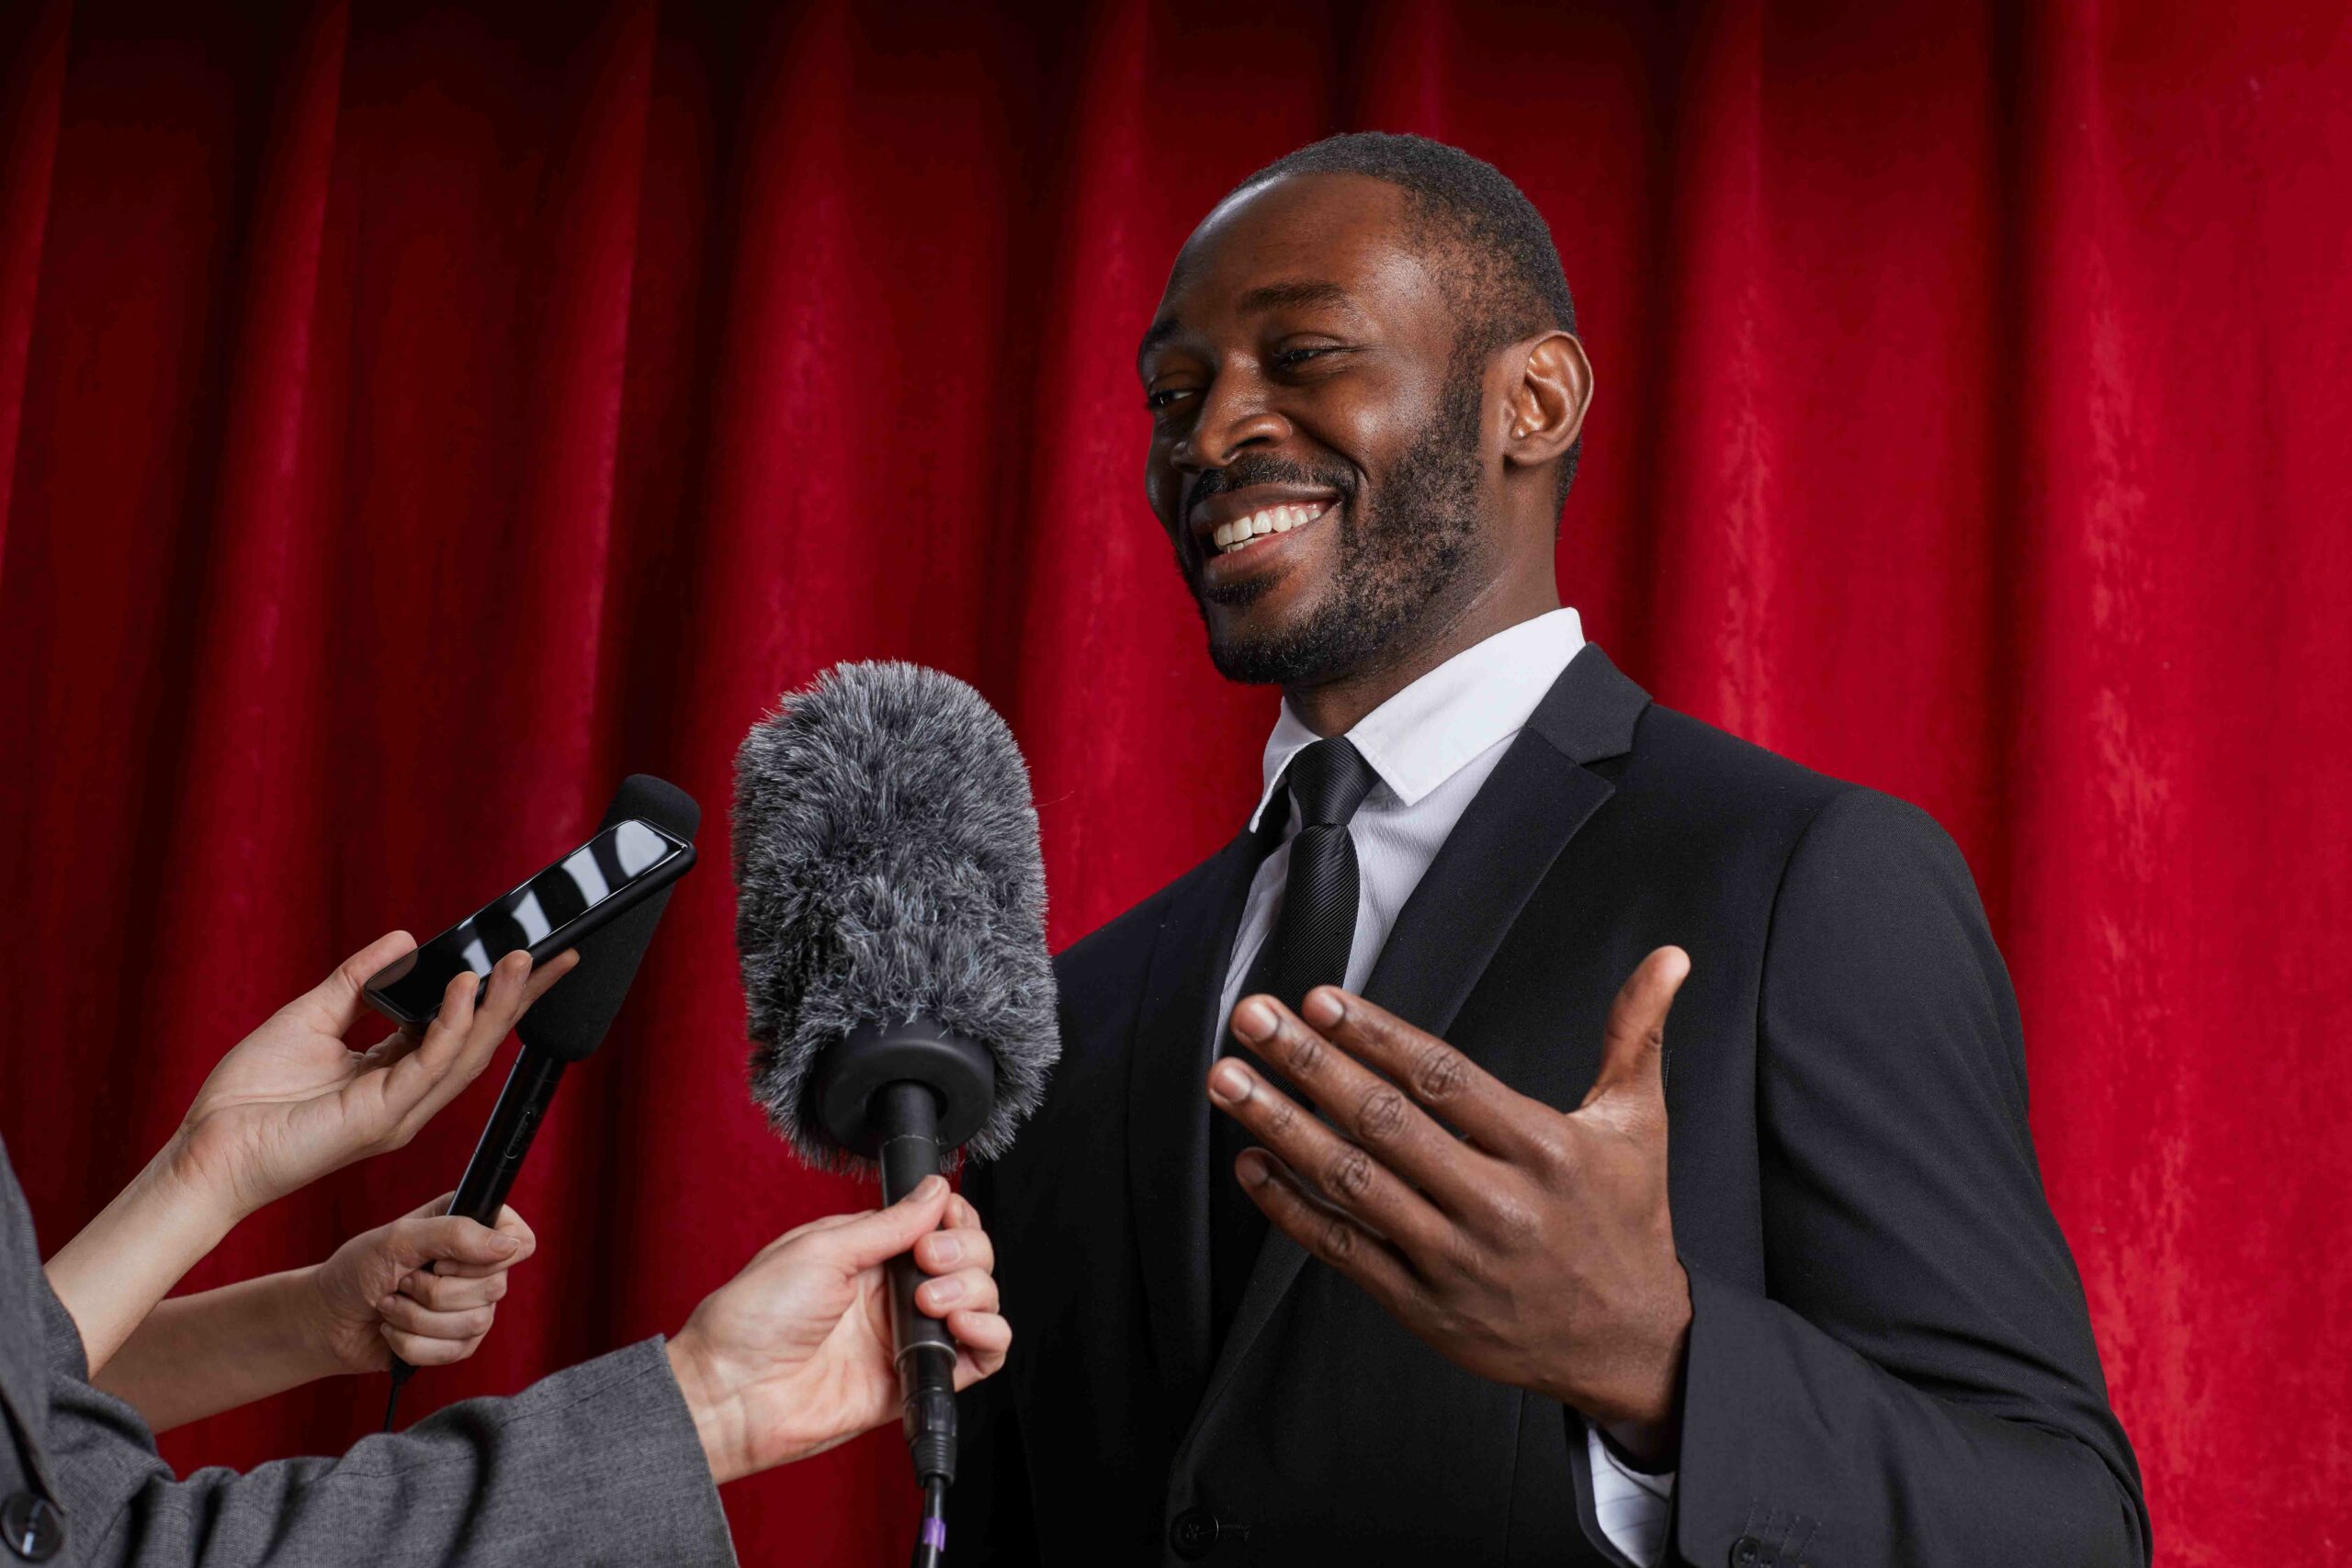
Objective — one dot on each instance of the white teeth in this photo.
(1231, 537)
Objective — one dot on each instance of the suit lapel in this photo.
(1505, 844)
(1168, 1113)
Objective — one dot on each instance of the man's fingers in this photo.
(1492, 1114)
(1345, 1174)
(1634, 1040)
(1332, 1237)
(1374, 1113)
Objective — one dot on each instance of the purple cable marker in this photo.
(934, 1533)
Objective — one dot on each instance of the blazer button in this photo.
(35, 1529)
(1193, 1534)
(1749, 1552)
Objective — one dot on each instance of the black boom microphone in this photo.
(567, 1024)
(890, 914)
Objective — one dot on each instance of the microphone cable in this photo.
(930, 1539)
(400, 1371)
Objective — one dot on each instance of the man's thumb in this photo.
(1632, 1044)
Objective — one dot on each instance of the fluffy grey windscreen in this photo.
(887, 868)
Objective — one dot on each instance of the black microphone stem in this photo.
(505, 1139)
(906, 1121)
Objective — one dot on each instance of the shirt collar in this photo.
(1423, 736)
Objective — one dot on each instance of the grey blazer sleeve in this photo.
(597, 1464)
(1918, 1383)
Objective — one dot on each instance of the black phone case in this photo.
(554, 941)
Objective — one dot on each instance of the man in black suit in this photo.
(1497, 1316)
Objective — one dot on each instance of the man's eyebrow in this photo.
(1159, 333)
(1301, 291)
(1266, 296)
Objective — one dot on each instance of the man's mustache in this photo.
(1243, 472)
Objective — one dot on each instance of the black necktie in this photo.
(1309, 947)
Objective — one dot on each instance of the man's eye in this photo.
(1159, 398)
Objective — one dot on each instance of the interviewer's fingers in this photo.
(463, 1038)
(434, 1241)
(957, 1246)
(454, 1293)
(974, 1290)
(880, 1235)
(982, 1338)
(510, 1224)
(335, 1002)
(405, 1319)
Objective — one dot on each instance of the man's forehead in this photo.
(1302, 240)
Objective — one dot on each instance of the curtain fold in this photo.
(412, 419)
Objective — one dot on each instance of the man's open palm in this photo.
(1534, 1248)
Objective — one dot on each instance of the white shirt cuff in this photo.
(1632, 1508)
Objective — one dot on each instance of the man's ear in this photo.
(1545, 406)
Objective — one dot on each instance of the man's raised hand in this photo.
(1536, 1248)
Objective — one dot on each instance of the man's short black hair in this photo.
(1514, 286)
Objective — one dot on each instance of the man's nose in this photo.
(1234, 415)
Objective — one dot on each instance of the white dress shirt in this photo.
(1433, 745)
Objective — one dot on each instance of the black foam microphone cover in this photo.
(572, 1018)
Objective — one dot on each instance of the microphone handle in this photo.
(505, 1139)
(906, 1117)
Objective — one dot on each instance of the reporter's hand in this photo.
(793, 1355)
(290, 1103)
(283, 1108)
(195, 1356)
(428, 1286)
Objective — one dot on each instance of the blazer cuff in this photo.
(635, 1461)
(1730, 1488)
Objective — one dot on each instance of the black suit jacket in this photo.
(1890, 1359)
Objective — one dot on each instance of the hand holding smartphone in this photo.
(581, 892)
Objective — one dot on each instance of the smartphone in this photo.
(610, 873)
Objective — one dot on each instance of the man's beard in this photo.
(1390, 562)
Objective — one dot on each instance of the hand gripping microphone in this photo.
(567, 1024)
(890, 915)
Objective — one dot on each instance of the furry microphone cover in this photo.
(887, 869)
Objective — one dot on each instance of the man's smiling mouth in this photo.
(1241, 534)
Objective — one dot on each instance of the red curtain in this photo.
(412, 419)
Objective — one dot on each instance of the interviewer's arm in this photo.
(611, 1462)
(598, 1463)
(197, 1355)
(287, 1105)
